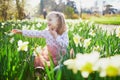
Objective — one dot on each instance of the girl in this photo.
(56, 39)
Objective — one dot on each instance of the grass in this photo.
(110, 20)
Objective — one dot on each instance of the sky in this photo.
(33, 3)
(90, 3)
(85, 3)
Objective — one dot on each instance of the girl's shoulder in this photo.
(65, 33)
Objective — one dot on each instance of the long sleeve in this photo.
(35, 33)
(63, 40)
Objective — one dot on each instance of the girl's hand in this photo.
(16, 31)
(54, 33)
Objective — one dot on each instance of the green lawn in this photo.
(114, 20)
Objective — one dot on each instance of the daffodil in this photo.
(87, 42)
(37, 50)
(3, 24)
(118, 32)
(112, 71)
(25, 27)
(71, 64)
(97, 48)
(92, 33)
(33, 27)
(22, 46)
(83, 62)
(86, 63)
(38, 25)
(76, 39)
(10, 34)
(91, 23)
(12, 40)
(108, 66)
(71, 28)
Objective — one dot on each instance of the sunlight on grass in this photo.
(115, 20)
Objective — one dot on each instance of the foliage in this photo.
(69, 11)
(18, 65)
(8, 9)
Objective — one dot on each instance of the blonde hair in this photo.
(61, 21)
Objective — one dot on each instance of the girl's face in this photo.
(52, 21)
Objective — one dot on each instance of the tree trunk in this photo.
(20, 9)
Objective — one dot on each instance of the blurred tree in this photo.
(49, 5)
(4, 5)
(20, 9)
(8, 9)
(73, 5)
(69, 11)
(60, 6)
(41, 6)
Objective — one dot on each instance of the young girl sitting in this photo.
(56, 39)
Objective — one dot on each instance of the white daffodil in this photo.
(86, 63)
(76, 39)
(5, 33)
(3, 24)
(38, 25)
(33, 27)
(87, 42)
(97, 48)
(108, 66)
(109, 33)
(37, 50)
(22, 46)
(19, 25)
(83, 62)
(92, 33)
(71, 64)
(10, 34)
(118, 32)
(13, 24)
(12, 40)
(71, 28)
(25, 27)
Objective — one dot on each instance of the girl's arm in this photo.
(31, 33)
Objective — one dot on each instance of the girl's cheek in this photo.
(54, 23)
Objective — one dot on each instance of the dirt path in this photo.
(109, 28)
